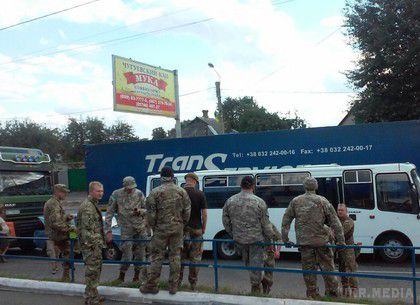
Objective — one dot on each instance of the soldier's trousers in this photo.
(63, 247)
(161, 240)
(93, 263)
(347, 263)
(269, 262)
(192, 251)
(134, 251)
(322, 258)
(253, 256)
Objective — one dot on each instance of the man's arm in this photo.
(226, 218)
(267, 228)
(142, 204)
(288, 217)
(204, 213)
(335, 224)
(111, 210)
(57, 222)
(186, 204)
(151, 210)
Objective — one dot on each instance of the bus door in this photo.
(331, 188)
(358, 195)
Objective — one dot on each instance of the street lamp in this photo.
(219, 97)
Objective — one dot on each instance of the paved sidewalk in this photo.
(134, 296)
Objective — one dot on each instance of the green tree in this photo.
(244, 115)
(29, 134)
(121, 132)
(387, 73)
(159, 133)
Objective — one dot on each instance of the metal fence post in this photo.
(72, 259)
(215, 266)
(413, 266)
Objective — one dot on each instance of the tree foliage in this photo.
(159, 133)
(387, 73)
(244, 115)
(68, 143)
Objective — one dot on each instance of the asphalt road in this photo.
(285, 284)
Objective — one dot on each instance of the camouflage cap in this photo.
(129, 182)
(61, 188)
(192, 176)
(310, 184)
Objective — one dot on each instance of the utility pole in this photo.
(219, 98)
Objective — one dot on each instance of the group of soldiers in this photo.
(174, 217)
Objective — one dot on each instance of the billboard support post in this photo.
(178, 110)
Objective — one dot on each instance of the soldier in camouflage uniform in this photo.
(92, 241)
(245, 218)
(346, 257)
(269, 261)
(311, 212)
(129, 205)
(57, 225)
(168, 210)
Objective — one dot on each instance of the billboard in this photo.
(141, 88)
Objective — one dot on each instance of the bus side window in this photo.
(217, 191)
(358, 189)
(329, 188)
(394, 193)
(277, 190)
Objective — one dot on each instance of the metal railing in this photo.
(216, 265)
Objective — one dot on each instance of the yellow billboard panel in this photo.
(141, 88)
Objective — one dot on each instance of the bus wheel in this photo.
(227, 250)
(393, 255)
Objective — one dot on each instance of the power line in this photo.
(50, 14)
(124, 39)
(28, 56)
(275, 3)
(296, 92)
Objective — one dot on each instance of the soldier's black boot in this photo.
(255, 289)
(121, 277)
(266, 286)
(136, 277)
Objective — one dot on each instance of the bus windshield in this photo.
(14, 183)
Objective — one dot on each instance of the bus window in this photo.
(217, 190)
(358, 189)
(278, 190)
(394, 193)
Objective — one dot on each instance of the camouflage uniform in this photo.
(311, 212)
(245, 218)
(57, 230)
(346, 257)
(132, 226)
(168, 210)
(269, 260)
(92, 242)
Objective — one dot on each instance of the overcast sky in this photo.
(287, 54)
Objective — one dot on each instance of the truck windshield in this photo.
(14, 183)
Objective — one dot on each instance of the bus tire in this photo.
(227, 250)
(393, 255)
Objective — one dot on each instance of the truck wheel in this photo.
(227, 250)
(393, 255)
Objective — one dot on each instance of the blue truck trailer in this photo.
(391, 142)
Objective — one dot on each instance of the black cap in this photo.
(167, 172)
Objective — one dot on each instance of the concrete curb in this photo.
(134, 296)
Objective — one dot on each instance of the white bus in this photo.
(382, 199)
